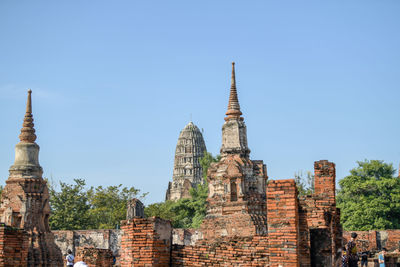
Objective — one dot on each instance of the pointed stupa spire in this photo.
(233, 105)
(28, 132)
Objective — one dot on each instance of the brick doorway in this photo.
(321, 248)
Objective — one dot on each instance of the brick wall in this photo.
(13, 246)
(239, 251)
(283, 228)
(94, 257)
(146, 242)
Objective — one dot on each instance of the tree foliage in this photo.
(108, 205)
(76, 207)
(188, 212)
(369, 198)
(305, 184)
(70, 206)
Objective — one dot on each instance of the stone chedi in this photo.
(25, 198)
(237, 185)
(187, 169)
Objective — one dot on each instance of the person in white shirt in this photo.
(80, 264)
(70, 259)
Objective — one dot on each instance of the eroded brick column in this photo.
(283, 220)
(325, 179)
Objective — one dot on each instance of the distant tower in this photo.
(187, 170)
(25, 198)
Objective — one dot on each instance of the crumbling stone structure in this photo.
(25, 198)
(187, 171)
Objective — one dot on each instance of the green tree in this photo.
(205, 162)
(75, 207)
(69, 207)
(369, 198)
(160, 209)
(108, 205)
(305, 184)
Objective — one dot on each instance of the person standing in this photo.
(70, 258)
(351, 252)
(364, 258)
(344, 258)
(381, 258)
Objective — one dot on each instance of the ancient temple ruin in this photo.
(25, 199)
(251, 220)
(187, 171)
(237, 185)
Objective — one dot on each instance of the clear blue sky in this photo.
(115, 81)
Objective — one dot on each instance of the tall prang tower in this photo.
(237, 185)
(187, 171)
(25, 198)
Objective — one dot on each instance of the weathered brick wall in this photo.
(239, 251)
(101, 238)
(13, 246)
(283, 218)
(146, 242)
(375, 240)
(94, 257)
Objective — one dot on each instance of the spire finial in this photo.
(233, 79)
(233, 105)
(28, 132)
